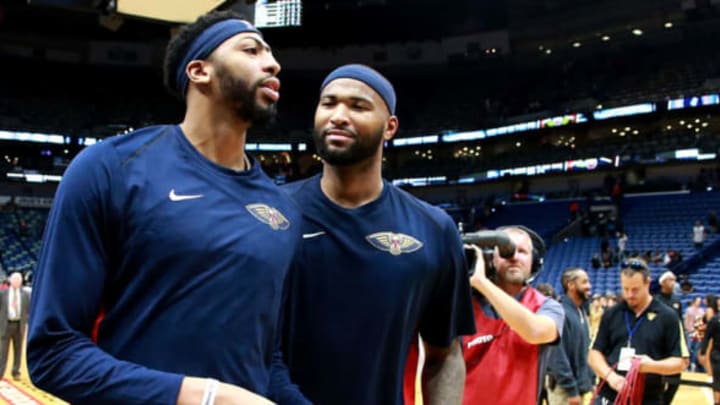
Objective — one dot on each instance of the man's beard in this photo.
(243, 95)
(361, 149)
(512, 277)
(584, 295)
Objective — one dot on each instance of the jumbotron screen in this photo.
(278, 13)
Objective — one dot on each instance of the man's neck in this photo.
(643, 307)
(512, 289)
(217, 134)
(352, 186)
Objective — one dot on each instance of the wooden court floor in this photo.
(23, 392)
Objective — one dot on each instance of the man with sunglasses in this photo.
(639, 327)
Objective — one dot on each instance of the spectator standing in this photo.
(693, 314)
(698, 234)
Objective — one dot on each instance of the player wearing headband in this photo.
(166, 249)
(376, 265)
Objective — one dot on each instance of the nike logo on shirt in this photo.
(312, 235)
(183, 197)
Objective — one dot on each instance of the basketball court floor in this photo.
(23, 392)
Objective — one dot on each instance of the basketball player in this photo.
(166, 249)
(376, 265)
(507, 357)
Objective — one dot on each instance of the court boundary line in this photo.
(7, 387)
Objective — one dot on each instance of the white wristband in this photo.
(211, 388)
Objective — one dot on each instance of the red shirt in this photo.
(501, 367)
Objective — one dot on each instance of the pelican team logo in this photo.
(268, 215)
(395, 243)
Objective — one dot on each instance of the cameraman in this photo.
(507, 357)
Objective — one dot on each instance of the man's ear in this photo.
(198, 71)
(391, 128)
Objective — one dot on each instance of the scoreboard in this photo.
(267, 13)
(278, 13)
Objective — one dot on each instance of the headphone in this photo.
(538, 248)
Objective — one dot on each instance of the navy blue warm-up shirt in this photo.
(174, 264)
(365, 281)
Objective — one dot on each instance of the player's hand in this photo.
(229, 394)
(576, 400)
(478, 277)
(616, 381)
(192, 390)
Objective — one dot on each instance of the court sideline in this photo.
(23, 392)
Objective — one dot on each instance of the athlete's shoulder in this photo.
(121, 148)
(137, 143)
(431, 212)
(300, 189)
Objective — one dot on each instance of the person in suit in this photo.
(14, 304)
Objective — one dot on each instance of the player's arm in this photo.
(448, 316)
(443, 376)
(72, 270)
(533, 328)
(193, 390)
(282, 389)
(67, 294)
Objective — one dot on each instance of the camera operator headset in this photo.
(488, 241)
(505, 360)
